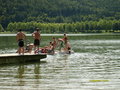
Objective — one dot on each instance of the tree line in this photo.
(58, 11)
(101, 26)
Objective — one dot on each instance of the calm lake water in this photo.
(95, 65)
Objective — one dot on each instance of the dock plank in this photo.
(16, 58)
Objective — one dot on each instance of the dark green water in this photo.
(95, 65)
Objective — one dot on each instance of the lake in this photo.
(95, 65)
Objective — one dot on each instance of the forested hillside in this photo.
(58, 11)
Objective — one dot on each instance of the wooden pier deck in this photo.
(16, 58)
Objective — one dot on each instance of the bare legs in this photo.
(21, 50)
(36, 48)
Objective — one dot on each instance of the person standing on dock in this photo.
(37, 37)
(20, 37)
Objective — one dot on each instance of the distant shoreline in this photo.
(67, 34)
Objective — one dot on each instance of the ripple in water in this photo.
(93, 66)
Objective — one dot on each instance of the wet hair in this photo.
(20, 30)
(64, 34)
(37, 29)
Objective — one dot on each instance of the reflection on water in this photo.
(20, 75)
(95, 65)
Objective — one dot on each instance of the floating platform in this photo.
(16, 58)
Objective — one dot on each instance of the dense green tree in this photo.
(1, 28)
(58, 11)
(78, 27)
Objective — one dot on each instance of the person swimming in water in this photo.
(65, 45)
(62, 42)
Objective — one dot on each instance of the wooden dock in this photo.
(16, 58)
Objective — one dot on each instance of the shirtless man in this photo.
(20, 37)
(63, 41)
(49, 49)
(29, 48)
(54, 42)
(37, 37)
(65, 37)
(67, 46)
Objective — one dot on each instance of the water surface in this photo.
(95, 65)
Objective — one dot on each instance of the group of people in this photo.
(61, 43)
(21, 37)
